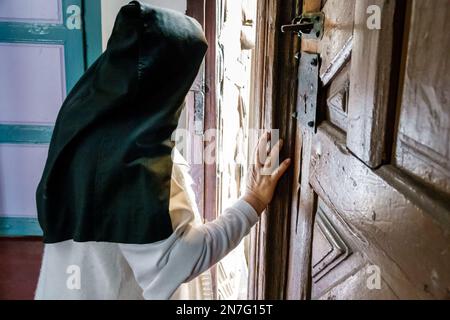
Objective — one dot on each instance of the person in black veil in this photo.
(117, 220)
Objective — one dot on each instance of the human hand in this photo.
(264, 175)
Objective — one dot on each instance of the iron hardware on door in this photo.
(308, 25)
(308, 87)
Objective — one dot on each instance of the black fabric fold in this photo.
(107, 176)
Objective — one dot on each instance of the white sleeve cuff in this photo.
(247, 210)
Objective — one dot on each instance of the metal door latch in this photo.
(308, 25)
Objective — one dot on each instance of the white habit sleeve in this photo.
(160, 268)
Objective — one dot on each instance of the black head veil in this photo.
(107, 176)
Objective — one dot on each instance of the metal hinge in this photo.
(308, 25)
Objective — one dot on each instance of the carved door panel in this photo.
(371, 213)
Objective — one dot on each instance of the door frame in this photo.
(92, 47)
(204, 12)
(274, 100)
(204, 88)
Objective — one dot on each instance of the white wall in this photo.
(110, 8)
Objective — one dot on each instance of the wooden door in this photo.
(371, 202)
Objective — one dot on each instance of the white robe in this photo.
(175, 268)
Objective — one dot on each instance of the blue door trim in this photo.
(90, 39)
(19, 227)
(92, 30)
(25, 134)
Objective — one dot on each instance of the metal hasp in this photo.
(308, 88)
(308, 25)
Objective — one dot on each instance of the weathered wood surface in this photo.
(302, 208)
(373, 84)
(407, 234)
(336, 45)
(423, 141)
(275, 95)
(386, 210)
